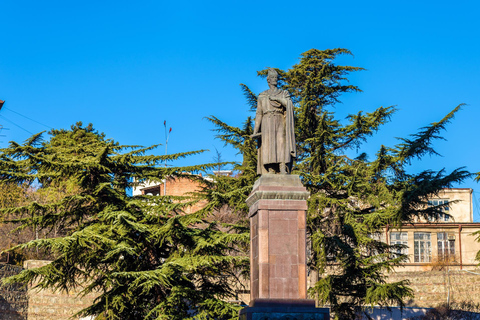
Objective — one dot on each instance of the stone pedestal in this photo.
(278, 278)
(277, 238)
(284, 309)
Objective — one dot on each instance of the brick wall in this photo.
(183, 187)
(180, 186)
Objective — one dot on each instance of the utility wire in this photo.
(469, 272)
(27, 117)
(16, 124)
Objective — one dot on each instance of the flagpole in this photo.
(167, 135)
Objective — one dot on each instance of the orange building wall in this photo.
(180, 186)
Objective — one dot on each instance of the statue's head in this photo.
(272, 76)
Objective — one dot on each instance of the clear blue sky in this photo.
(127, 66)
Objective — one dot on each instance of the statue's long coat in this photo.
(277, 143)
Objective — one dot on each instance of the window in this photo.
(372, 249)
(446, 246)
(151, 191)
(422, 246)
(440, 202)
(378, 236)
(399, 238)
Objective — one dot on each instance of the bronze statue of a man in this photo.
(275, 129)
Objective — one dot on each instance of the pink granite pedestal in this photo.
(278, 272)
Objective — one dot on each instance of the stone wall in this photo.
(49, 305)
(17, 303)
(431, 288)
(13, 298)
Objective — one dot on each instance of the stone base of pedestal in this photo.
(284, 309)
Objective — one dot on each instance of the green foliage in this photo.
(11, 194)
(351, 200)
(16, 195)
(233, 191)
(477, 234)
(142, 256)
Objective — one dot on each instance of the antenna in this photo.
(1, 126)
